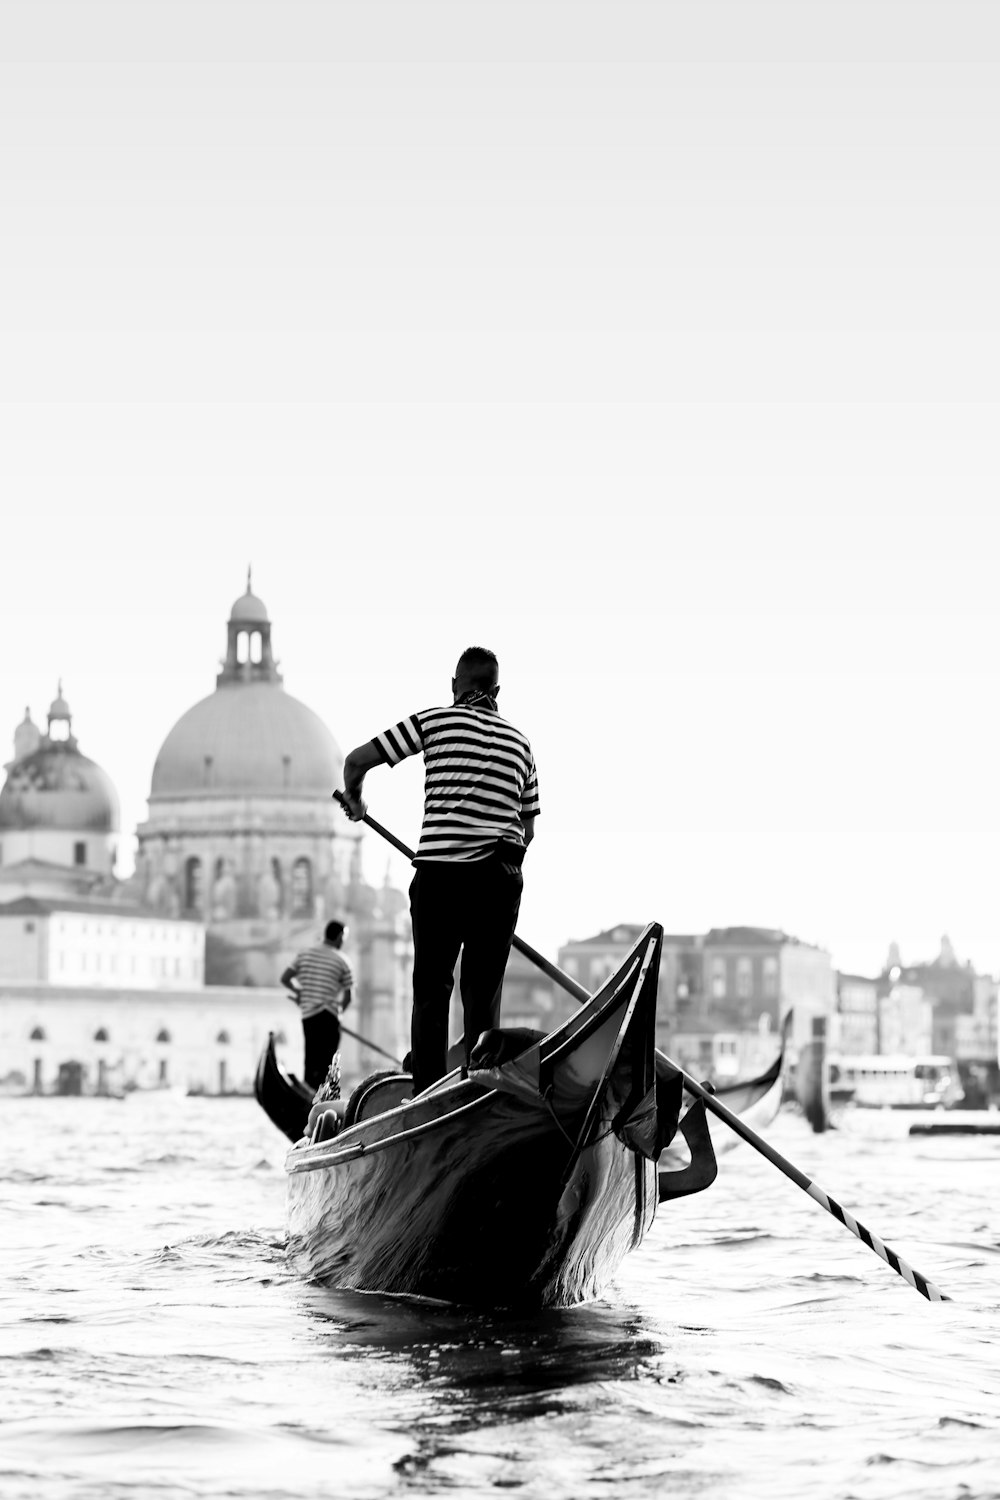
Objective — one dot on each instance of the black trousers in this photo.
(322, 1039)
(467, 908)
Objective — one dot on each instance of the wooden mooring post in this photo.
(813, 1078)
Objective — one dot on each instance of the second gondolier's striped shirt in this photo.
(323, 974)
(479, 779)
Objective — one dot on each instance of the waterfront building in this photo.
(976, 1045)
(593, 959)
(57, 1038)
(948, 984)
(530, 998)
(762, 979)
(855, 1030)
(242, 859)
(724, 995)
(242, 832)
(906, 1022)
(98, 945)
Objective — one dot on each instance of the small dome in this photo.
(57, 787)
(248, 738)
(249, 609)
(27, 737)
(59, 708)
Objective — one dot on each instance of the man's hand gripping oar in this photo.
(899, 1265)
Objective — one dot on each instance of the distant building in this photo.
(99, 945)
(856, 1029)
(949, 985)
(242, 859)
(592, 960)
(59, 817)
(242, 831)
(723, 995)
(530, 998)
(906, 1022)
(976, 1035)
(757, 972)
(68, 1039)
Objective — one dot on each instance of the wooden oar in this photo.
(899, 1265)
(371, 1046)
(359, 1038)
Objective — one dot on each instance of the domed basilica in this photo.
(242, 830)
(171, 975)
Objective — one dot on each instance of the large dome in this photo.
(248, 737)
(57, 787)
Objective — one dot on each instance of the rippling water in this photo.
(154, 1343)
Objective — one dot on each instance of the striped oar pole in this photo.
(916, 1280)
(819, 1195)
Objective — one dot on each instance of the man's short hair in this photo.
(334, 930)
(479, 666)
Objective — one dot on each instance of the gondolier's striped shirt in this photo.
(323, 974)
(480, 781)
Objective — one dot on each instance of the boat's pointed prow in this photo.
(281, 1096)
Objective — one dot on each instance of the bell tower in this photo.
(60, 721)
(248, 645)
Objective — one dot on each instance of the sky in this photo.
(653, 346)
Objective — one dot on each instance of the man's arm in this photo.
(345, 997)
(528, 825)
(290, 979)
(356, 767)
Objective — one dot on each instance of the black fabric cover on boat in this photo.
(703, 1168)
(652, 1123)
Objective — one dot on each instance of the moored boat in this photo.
(525, 1182)
(755, 1100)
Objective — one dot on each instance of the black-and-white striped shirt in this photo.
(480, 781)
(323, 974)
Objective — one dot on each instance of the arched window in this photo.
(163, 1035)
(242, 646)
(256, 646)
(223, 1039)
(101, 1034)
(302, 888)
(38, 1034)
(193, 885)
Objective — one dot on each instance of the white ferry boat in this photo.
(895, 1082)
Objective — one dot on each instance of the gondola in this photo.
(524, 1181)
(756, 1101)
(287, 1101)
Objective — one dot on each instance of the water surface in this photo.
(153, 1341)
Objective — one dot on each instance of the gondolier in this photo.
(320, 981)
(480, 806)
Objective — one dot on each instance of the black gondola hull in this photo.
(521, 1185)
